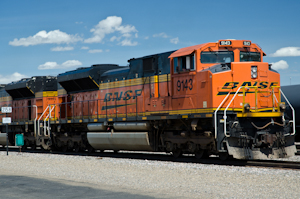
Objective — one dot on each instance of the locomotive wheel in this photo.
(224, 156)
(176, 153)
(199, 154)
(64, 148)
(33, 147)
(90, 149)
(26, 144)
(76, 147)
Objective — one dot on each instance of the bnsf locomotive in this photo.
(215, 98)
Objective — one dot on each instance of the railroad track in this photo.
(164, 157)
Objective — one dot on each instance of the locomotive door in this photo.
(184, 83)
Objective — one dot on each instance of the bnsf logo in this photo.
(129, 94)
(260, 85)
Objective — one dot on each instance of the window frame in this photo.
(180, 63)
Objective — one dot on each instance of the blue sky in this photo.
(40, 37)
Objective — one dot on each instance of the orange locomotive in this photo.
(176, 102)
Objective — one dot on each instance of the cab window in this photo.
(217, 57)
(249, 56)
(184, 63)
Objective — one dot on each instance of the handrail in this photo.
(36, 115)
(49, 115)
(294, 125)
(225, 117)
(39, 133)
(217, 111)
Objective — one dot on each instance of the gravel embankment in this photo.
(156, 178)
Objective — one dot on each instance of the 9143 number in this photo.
(184, 84)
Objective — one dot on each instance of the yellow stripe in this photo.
(30, 90)
(134, 82)
(46, 94)
(260, 114)
(5, 99)
(94, 81)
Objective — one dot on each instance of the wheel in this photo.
(90, 149)
(177, 153)
(199, 153)
(224, 156)
(64, 148)
(33, 147)
(76, 147)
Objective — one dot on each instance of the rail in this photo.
(48, 116)
(36, 115)
(38, 121)
(244, 94)
(225, 117)
(215, 114)
(120, 107)
(293, 112)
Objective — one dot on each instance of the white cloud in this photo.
(280, 65)
(163, 35)
(146, 37)
(107, 26)
(10, 78)
(174, 40)
(128, 42)
(54, 65)
(287, 52)
(96, 51)
(114, 38)
(60, 48)
(85, 48)
(42, 37)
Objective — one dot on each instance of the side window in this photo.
(184, 63)
(175, 64)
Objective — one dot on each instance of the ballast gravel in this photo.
(156, 178)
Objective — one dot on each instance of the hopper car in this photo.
(216, 98)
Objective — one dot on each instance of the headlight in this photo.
(253, 72)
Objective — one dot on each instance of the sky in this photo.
(42, 37)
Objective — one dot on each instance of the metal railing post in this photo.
(293, 111)
(106, 109)
(225, 117)
(216, 128)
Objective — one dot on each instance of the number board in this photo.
(247, 43)
(6, 109)
(6, 120)
(225, 43)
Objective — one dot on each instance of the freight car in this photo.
(214, 98)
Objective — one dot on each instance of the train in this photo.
(216, 98)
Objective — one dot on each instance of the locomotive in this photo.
(216, 98)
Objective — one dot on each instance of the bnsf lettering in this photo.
(230, 85)
(261, 85)
(120, 96)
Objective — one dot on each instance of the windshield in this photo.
(217, 57)
(249, 56)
